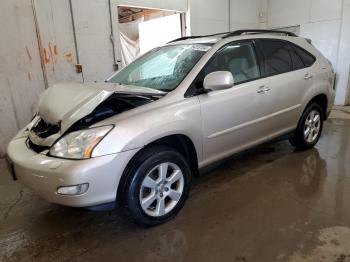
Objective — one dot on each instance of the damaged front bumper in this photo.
(46, 175)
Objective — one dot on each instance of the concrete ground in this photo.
(266, 204)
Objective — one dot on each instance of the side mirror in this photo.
(218, 80)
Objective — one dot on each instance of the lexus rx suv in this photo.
(139, 138)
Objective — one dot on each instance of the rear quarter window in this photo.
(307, 58)
(298, 63)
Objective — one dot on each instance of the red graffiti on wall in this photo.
(46, 57)
(50, 54)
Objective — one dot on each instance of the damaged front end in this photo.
(68, 108)
(116, 104)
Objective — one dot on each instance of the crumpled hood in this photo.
(67, 103)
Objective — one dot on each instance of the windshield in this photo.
(163, 68)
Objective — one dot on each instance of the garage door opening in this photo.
(143, 29)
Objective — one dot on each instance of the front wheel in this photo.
(158, 185)
(309, 128)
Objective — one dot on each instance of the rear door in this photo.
(289, 78)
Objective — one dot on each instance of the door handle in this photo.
(308, 76)
(263, 90)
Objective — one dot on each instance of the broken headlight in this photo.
(79, 144)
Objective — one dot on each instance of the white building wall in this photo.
(246, 14)
(93, 31)
(209, 17)
(21, 78)
(323, 22)
(343, 66)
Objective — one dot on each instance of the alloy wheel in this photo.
(161, 189)
(312, 126)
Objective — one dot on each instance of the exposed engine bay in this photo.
(115, 104)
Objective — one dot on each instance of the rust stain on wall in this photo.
(52, 56)
(68, 56)
(29, 76)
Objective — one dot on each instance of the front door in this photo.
(235, 118)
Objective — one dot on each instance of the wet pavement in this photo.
(267, 204)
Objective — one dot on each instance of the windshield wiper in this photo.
(147, 96)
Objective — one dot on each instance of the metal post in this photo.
(229, 15)
(78, 66)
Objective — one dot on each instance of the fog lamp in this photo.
(73, 190)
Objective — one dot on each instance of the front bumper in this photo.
(45, 174)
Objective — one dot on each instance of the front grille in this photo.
(36, 148)
(44, 130)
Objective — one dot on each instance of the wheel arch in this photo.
(322, 101)
(179, 142)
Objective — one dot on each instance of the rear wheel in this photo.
(309, 128)
(158, 185)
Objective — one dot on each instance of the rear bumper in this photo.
(45, 174)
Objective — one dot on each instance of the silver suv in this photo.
(140, 137)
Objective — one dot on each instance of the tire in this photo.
(312, 120)
(159, 180)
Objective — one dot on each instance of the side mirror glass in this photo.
(218, 80)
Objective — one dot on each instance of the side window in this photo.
(239, 59)
(307, 59)
(277, 58)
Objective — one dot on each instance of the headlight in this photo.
(79, 144)
(25, 131)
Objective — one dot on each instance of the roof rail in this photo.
(236, 33)
(183, 38)
(196, 36)
(258, 31)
